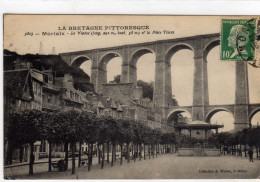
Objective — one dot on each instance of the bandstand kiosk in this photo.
(199, 130)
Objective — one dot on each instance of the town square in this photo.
(183, 104)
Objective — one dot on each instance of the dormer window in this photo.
(50, 79)
(71, 95)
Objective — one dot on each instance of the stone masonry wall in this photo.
(124, 92)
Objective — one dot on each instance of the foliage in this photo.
(253, 137)
(117, 78)
(138, 133)
(88, 127)
(71, 126)
(170, 138)
(158, 133)
(186, 141)
(75, 126)
(49, 129)
(67, 125)
(102, 131)
(147, 136)
(126, 132)
(247, 136)
(27, 126)
(147, 88)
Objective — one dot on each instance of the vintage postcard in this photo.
(131, 97)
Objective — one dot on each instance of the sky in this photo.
(20, 36)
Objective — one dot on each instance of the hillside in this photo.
(40, 62)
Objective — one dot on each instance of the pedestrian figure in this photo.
(250, 153)
(61, 165)
(124, 154)
(95, 152)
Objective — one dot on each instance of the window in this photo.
(19, 103)
(45, 77)
(37, 88)
(50, 79)
(43, 97)
(34, 87)
(40, 89)
(55, 99)
(67, 93)
(49, 98)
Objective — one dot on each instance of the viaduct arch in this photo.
(132, 73)
(164, 50)
(214, 111)
(173, 115)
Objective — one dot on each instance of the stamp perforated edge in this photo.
(256, 59)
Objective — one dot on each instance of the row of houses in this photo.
(27, 86)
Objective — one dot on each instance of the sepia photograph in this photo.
(131, 97)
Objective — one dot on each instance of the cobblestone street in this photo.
(164, 167)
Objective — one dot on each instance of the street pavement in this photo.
(167, 166)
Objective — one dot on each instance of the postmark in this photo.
(238, 39)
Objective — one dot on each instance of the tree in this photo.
(147, 88)
(251, 137)
(147, 139)
(165, 141)
(117, 78)
(158, 135)
(26, 128)
(50, 134)
(103, 135)
(112, 130)
(245, 138)
(68, 124)
(138, 136)
(172, 139)
(153, 141)
(239, 137)
(213, 140)
(87, 132)
(174, 102)
(256, 139)
(125, 135)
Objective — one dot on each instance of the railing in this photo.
(51, 87)
(50, 106)
(73, 100)
(198, 152)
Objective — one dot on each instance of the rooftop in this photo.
(199, 125)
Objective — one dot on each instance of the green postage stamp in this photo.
(238, 38)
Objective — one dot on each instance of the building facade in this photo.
(140, 109)
(34, 86)
(30, 84)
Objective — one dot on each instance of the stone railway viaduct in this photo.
(163, 50)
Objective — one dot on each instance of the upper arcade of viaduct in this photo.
(163, 51)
